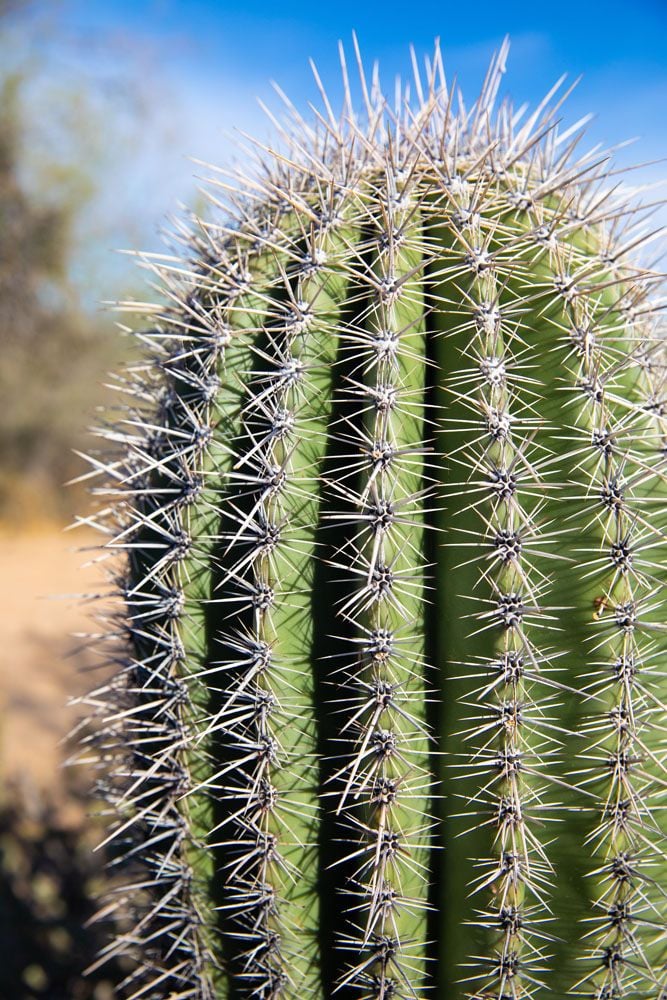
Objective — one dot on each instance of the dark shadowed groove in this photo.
(433, 653)
(220, 618)
(331, 647)
(216, 622)
(450, 646)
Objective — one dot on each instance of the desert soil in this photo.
(43, 662)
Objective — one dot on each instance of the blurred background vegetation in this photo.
(54, 351)
(66, 126)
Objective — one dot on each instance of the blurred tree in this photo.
(70, 104)
(51, 359)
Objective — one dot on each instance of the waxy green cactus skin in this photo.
(389, 719)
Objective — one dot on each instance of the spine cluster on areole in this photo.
(511, 747)
(617, 407)
(267, 717)
(150, 723)
(382, 781)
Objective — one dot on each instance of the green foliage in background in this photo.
(67, 104)
(52, 357)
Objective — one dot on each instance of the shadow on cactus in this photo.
(389, 719)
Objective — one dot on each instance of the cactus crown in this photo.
(389, 708)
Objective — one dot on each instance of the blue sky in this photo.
(214, 48)
(210, 60)
(618, 46)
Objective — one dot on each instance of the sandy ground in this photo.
(42, 664)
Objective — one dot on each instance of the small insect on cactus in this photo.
(389, 718)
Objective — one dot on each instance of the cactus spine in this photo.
(392, 494)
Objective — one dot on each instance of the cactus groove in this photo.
(389, 713)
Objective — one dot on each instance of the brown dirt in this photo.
(42, 663)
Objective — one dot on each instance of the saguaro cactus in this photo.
(389, 712)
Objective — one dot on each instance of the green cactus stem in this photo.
(389, 715)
